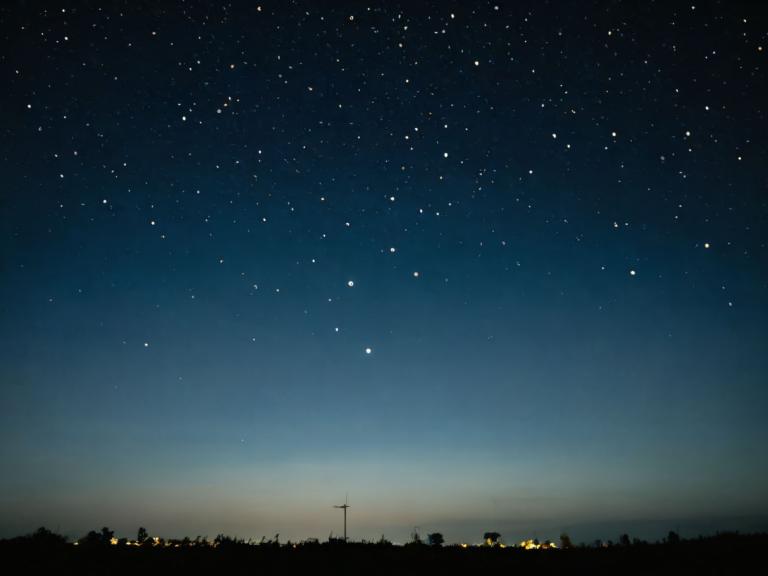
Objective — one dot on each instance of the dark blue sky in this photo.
(484, 266)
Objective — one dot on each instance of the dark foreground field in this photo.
(723, 554)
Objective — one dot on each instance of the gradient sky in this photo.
(483, 266)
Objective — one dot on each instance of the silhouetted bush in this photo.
(435, 539)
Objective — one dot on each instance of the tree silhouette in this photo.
(142, 535)
(624, 540)
(565, 541)
(491, 538)
(44, 537)
(435, 539)
(94, 538)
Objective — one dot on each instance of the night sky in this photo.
(483, 266)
